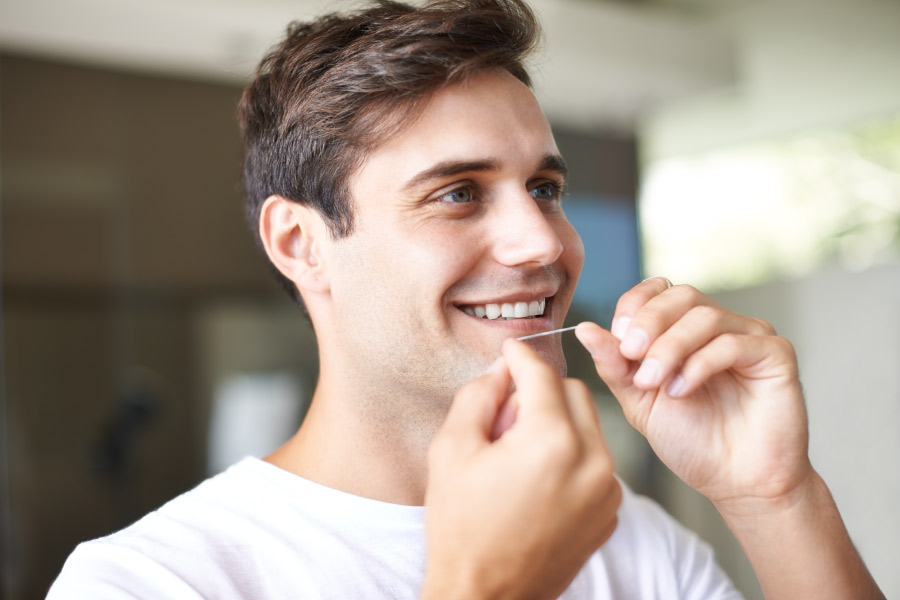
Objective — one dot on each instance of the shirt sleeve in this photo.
(106, 571)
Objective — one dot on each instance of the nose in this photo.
(523, 234)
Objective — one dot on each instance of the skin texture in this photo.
(737, 429)
(394, 345)
(419, 252)
(718, 397)
(716, 394)
(572, 494)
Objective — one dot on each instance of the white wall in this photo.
(813, 65)
(845, 328)
(802, 64)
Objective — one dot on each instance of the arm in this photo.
(717, 396)
(799, 547)
(513, 518)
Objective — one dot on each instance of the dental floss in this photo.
(534, 335)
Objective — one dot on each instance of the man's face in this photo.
(455, 218)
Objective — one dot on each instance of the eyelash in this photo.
(556, 190)
(556, 193)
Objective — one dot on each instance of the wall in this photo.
(122, 219)
(845, 328)
(802, 64)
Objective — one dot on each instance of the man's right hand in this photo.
(519, 516)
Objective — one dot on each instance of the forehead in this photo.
(492, 116)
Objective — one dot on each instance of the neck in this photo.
(363, 442)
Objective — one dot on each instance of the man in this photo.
(406, 187)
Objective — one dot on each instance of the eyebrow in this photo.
(551, 162)
(554, 162)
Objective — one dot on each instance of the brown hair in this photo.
(337, 86)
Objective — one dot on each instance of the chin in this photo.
(551, 351)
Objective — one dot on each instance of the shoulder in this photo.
(179, 550)
(105, 570)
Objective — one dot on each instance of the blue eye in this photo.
(460, 196)
(545, 191)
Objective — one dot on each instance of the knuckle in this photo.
(730, 342)
(765, 327)
(691, 296)
(629, 303)
(561, 447)
(785, 346)
(599, 466)
(657, 284)
(634, 299)
(649, 319)
(602, 480)
(712, 316)
(687, 291)
(724, 347)
(604, 496)
(612, 494)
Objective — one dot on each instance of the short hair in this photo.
(337, 86)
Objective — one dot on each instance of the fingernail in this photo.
(676, 386)
(495, 366)
(649, 373)
(620, 326)
(634, 343)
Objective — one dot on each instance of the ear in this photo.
(292, 234)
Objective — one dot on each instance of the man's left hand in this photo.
(715, 393)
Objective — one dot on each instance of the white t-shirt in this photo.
(257, 531)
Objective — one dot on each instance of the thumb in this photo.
(473, 412)
(506, 418)
(615, 370)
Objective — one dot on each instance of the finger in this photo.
(506, 418)
(631, 302)
(587, 422)
(582, 409)
(665, 281)
(615, 370)
(750, 356)
(539, 388)
(657, 315)
(474, 408)
(699, 325)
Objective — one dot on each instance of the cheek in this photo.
(573, 250)
(362, 276)
(443, 258)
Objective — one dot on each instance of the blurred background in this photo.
(750, 148)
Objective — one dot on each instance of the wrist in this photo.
(798, 545)
(776, 501)
(453, 583)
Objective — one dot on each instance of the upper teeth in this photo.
(508, 310)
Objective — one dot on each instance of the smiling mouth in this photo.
(507, 310)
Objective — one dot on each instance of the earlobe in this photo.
(291, 235)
